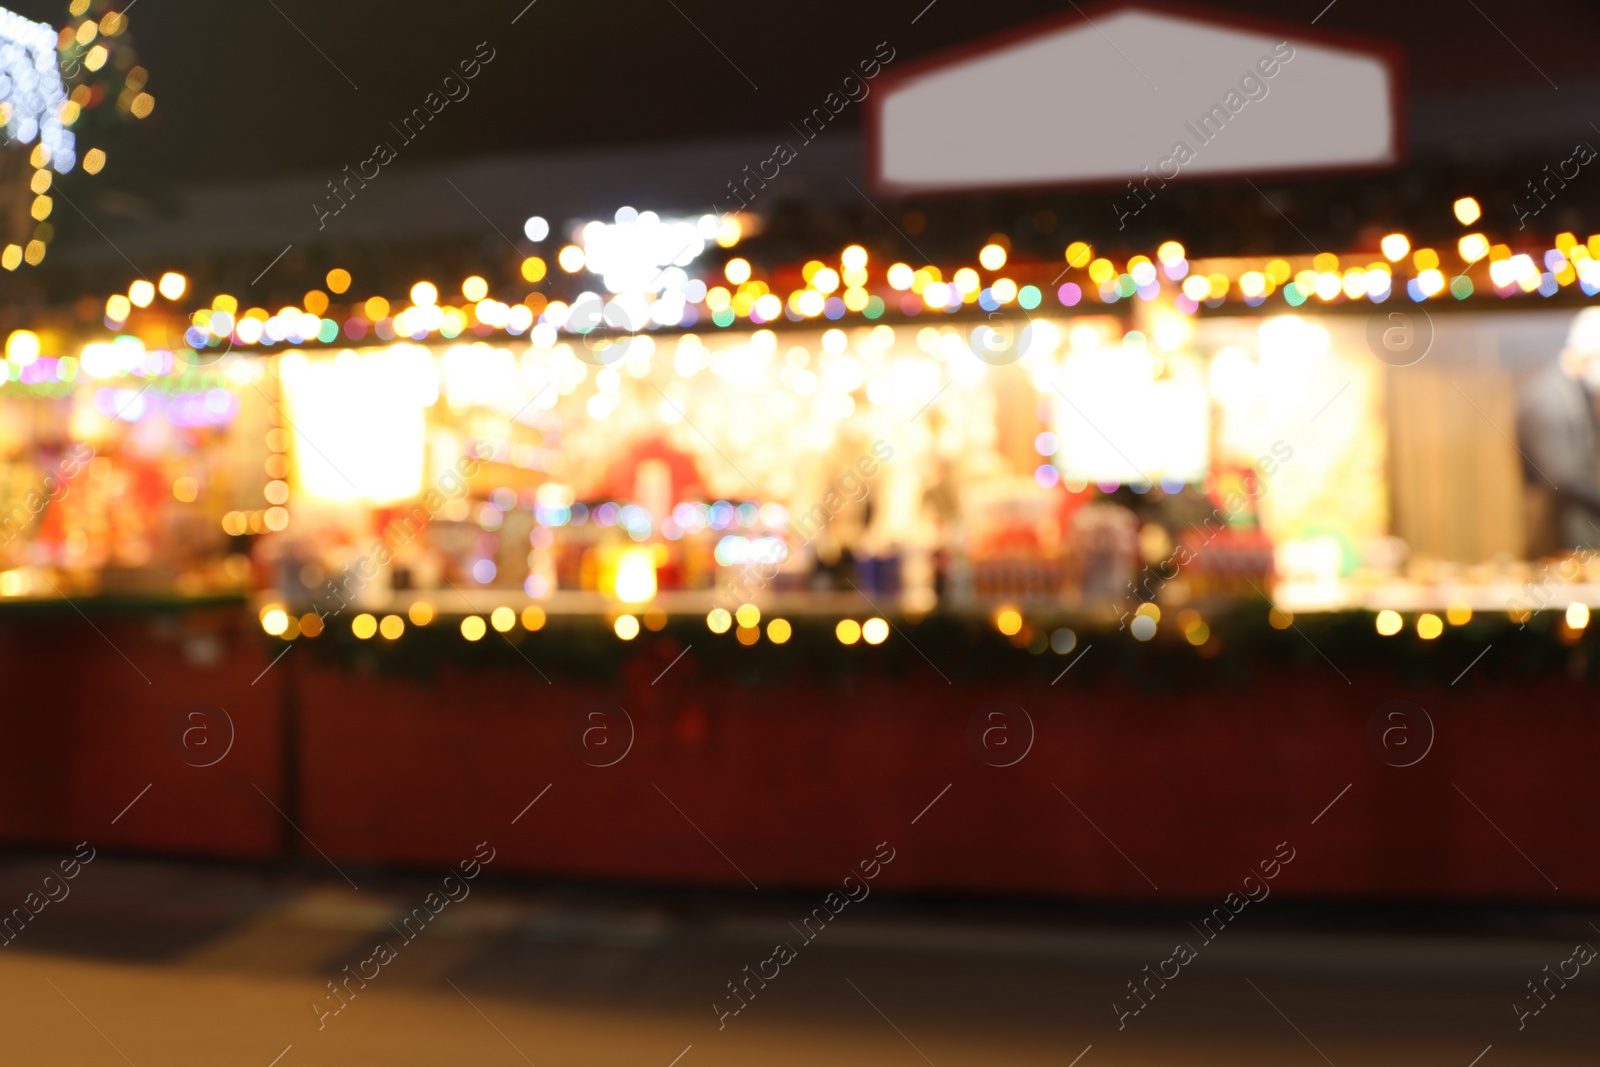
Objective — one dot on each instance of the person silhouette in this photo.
(1559, 439)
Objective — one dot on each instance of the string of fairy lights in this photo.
(57, 84)
(745, 623)
(849, 288)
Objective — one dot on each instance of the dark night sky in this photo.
(242, 92)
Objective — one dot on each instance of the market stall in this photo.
(724, 496)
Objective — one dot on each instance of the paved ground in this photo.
(184, 965)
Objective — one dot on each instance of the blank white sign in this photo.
(1103, 98)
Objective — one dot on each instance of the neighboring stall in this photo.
(129, 471)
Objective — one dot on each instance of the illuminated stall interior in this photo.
(645, 433)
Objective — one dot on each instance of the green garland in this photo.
(965, 651)
(1340, 649)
